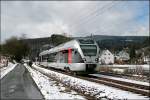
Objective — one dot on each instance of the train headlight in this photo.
(84, 59)
(96, 59)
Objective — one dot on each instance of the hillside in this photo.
(120, 42)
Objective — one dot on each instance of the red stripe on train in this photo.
(69, 55)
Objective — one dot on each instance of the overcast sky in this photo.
(76, 18)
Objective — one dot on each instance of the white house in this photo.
(106, 57)
(123, 56)
(146, 59)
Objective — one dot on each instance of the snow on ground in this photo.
(50, 88)
(145, 67)
(91, 88)
(7, 69)
(2, 65)
(122, 79)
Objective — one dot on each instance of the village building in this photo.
(143, 55)
(106, 57)
(122, 56)
(146, 59)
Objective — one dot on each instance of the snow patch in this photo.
(52, 89)
(122, 79)
(91, 88)
(6, 70)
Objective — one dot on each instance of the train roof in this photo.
(74, 44)
(71, 44)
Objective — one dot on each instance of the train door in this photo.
(61, 58)
(65, 56)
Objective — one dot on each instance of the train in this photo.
(78, 55)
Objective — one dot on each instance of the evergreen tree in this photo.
(16, 48)
(59, 39)
(132, 54)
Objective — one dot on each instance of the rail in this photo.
(127, 86)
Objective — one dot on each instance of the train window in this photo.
(89, 50)
(65, 51)
(86, 41)
(49, 57)
(44, 57)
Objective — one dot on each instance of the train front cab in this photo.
(90, 54)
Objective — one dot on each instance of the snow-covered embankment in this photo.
(52, 89)
(5, 70)
(90, 88)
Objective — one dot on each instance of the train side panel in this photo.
(63, 66)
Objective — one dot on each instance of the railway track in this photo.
(123, 85)
(146, 78)
(132, 87)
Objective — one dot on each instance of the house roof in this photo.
(105, 51)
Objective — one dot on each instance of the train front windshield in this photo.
(89, 50)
